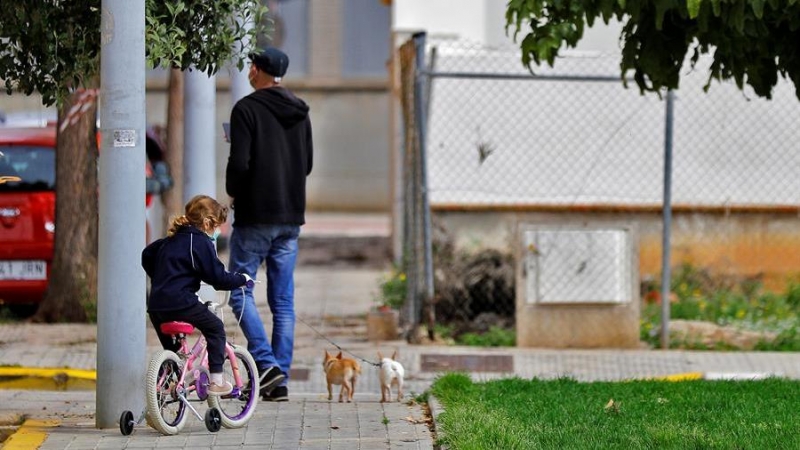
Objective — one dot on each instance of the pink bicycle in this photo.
(176, 380)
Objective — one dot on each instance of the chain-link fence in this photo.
(491, 147)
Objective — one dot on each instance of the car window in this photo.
(27, 168)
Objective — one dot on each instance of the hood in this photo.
(288, 109)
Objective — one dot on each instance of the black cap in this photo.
(271, 61)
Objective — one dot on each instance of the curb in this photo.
(436, 409)
(718, 376)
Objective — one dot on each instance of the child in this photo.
(176, 265)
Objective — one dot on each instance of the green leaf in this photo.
(661, 9)
(758, 8)
(693, 6)
(716, 7)
(737, 16)
(751, 41)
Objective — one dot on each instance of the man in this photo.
(271, 155)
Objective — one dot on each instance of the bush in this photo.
(725, 300)
(393, 289)
(495, 337)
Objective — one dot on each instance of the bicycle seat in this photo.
(173, 328)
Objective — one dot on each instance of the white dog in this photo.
(391, 373)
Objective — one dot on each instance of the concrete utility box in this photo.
(577, 286)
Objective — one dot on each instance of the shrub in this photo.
(495, 337)
(726, 300)
(393, 289)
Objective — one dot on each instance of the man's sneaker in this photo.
(220, 389)
(269, 379)
(279, 394)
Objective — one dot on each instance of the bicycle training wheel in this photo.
(237, 408)
(126, 423)
(165, 411)
(212, 420)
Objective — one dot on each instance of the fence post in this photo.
(420, 106)
(667, 216)
(407, 56)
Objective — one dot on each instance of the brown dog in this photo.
(343, 371)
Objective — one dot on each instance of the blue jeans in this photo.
(250, 246)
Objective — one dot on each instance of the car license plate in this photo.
(23, 270)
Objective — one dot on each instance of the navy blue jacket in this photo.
(178, 263)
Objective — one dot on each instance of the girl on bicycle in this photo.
(176, 265)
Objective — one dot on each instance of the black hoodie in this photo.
(271, 155)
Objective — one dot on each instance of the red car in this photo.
(27, 211)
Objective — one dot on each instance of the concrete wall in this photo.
(351, 145)
(23, 103)
(765, 244)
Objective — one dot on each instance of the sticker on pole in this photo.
(124, 138)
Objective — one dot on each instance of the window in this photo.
(35, 166)
(366, 36)
(290, 33)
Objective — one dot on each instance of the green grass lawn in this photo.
(631, 415)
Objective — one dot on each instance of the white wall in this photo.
(482, 21)
(464, 18)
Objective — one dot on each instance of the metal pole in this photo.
(529, 76)
(199, 162)
(421, 109)
(240, 84)
(428, 73)
(665, 242)
(240, 88)
(121, 342)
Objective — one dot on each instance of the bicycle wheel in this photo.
(237, 408)
(165, 411)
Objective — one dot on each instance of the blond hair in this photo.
(200, 208)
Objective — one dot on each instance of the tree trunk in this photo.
(173, 198)
(72, 290)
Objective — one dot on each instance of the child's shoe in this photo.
(216, 389)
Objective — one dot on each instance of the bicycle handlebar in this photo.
(251, 283)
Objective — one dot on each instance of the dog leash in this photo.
(239, 320)
(335, 344)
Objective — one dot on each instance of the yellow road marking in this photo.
(688, 376)
(47, 372)
(30, 435)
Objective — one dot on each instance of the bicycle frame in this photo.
(199, 350)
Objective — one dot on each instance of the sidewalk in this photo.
(333, 300)
(309, 421)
